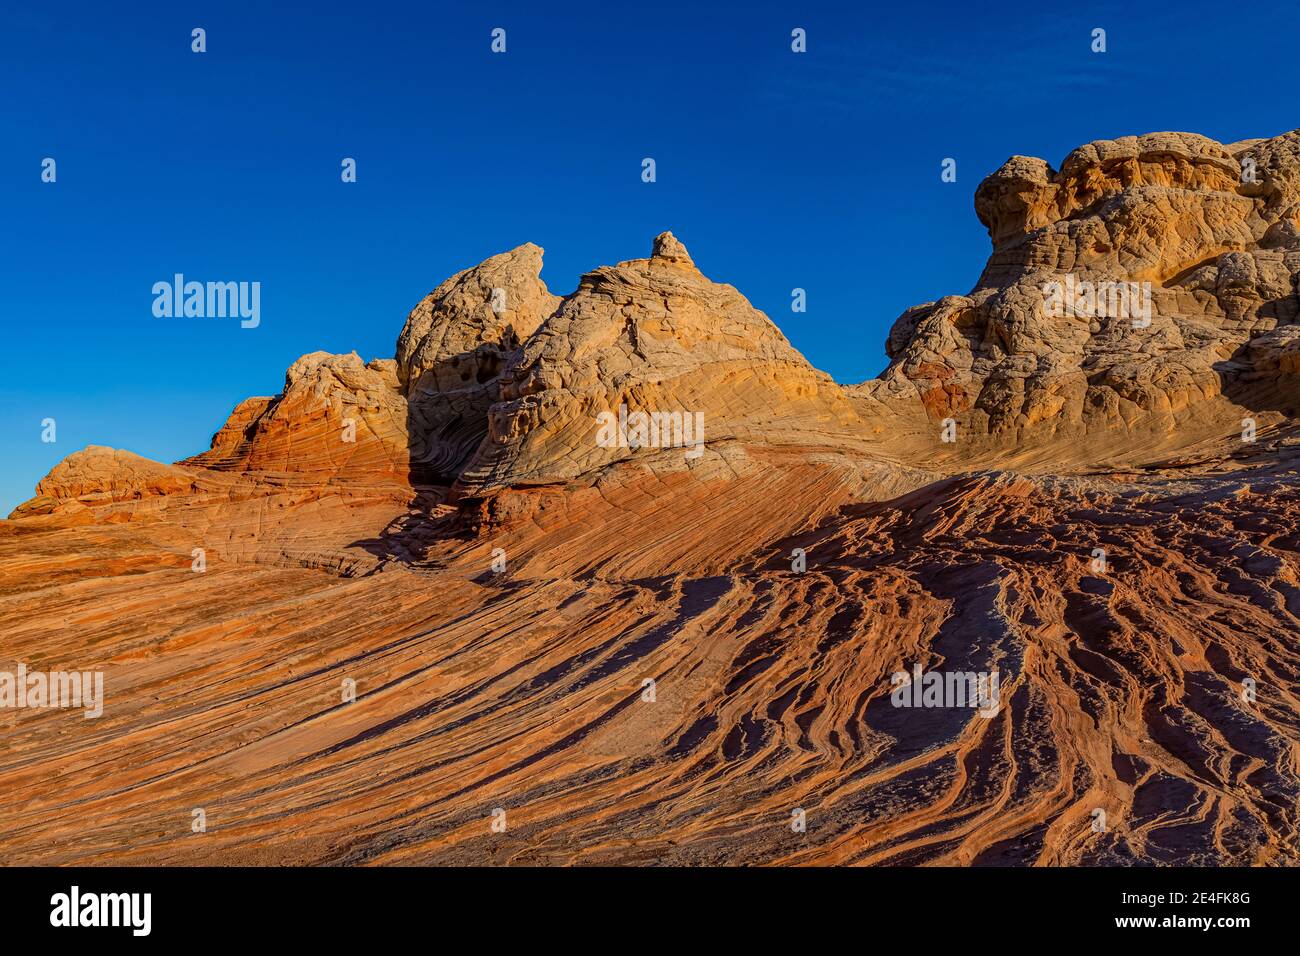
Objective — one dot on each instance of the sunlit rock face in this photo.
(1201, 243)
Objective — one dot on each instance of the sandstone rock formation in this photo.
(447, 530)
(651, 336)
(100, 475)
(1214, 232)
(337, 418)
(455, 345)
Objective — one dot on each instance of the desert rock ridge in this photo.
(372, 559)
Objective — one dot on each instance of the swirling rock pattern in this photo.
(565, 652)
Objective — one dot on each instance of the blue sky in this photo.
(778, 170)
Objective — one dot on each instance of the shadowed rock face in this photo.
(454, 346)
(447, 530)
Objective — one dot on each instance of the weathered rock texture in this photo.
(1221, 255)
(445, 530)
(651, 335)
(455, 345)
(338, 418)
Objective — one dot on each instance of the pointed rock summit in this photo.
(667, 248)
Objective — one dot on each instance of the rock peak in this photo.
(669, 248)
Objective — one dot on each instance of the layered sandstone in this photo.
(337, 418)
(101, 475)
(447, 531)
(643, 337)
(1212, 230)
(1121, 688)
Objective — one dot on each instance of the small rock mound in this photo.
(98, 474)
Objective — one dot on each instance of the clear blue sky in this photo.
(777, 170)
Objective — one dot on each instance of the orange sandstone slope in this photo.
(621, 652)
